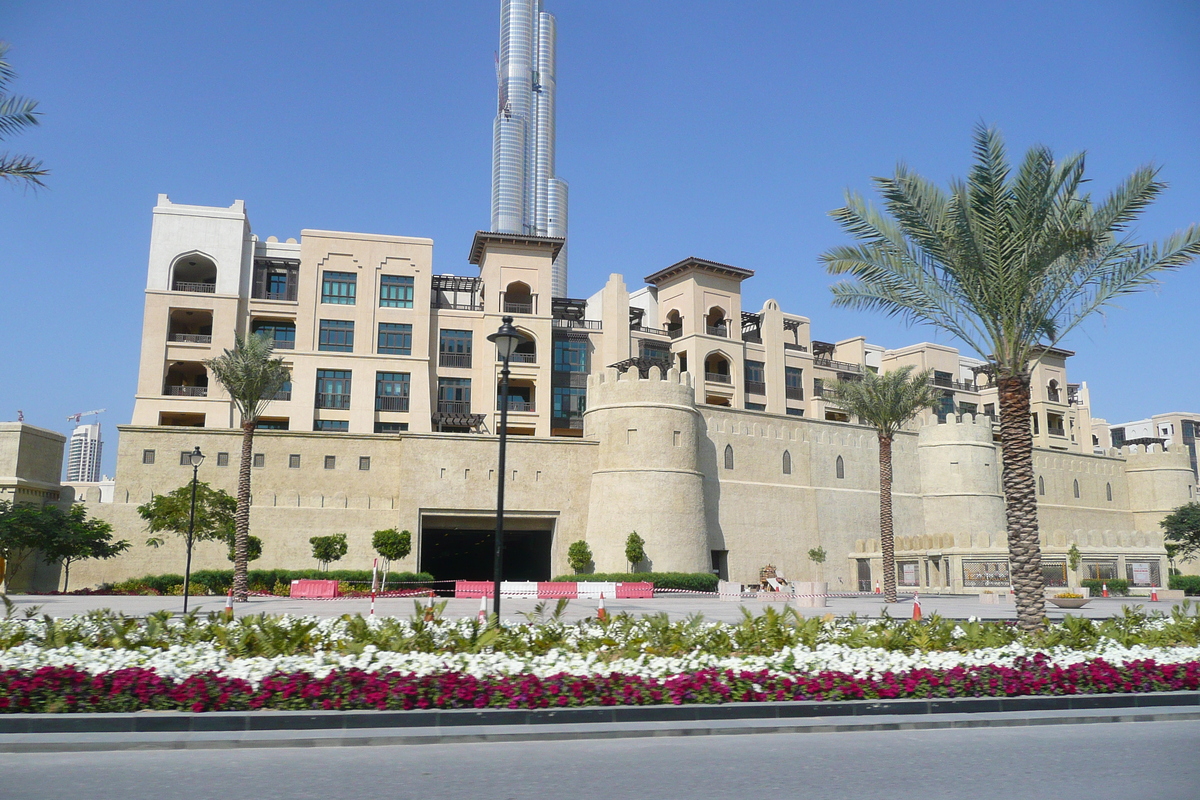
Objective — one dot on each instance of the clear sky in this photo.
(716, 129)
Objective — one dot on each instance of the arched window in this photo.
(714, 322)
(728, 456)
(787, 463)
(840, 467)
(1077, 489)
(1041, 485)
(518, 298)
(1052, 393)
(194, 273)
(1108, 491)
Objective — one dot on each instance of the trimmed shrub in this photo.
(1116, 586)
(218, 581)
(689, 581)
(1189, 583)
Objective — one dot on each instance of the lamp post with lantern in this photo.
(506, 339)
(196, 458)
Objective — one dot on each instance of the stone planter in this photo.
(1070, 602)
(993, 598)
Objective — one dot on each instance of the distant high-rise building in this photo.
(83, 462)
(527, 197)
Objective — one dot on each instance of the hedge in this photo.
(1189, 583)
(260, 580)
(1116, 586)
(689, 581)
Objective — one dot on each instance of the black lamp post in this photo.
(506, 338)
(196, 458)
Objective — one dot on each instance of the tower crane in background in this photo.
(76, 417)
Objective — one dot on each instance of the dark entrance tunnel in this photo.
(455, 554)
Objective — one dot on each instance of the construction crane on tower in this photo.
(76, 417)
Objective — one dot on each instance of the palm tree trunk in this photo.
(241, 518)
(1020, 502)
(887, 539)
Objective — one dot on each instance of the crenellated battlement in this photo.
(973, 429)
(613, 387)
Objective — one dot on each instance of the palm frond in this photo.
(22, 168)
(888, 401)
(16, 114)
(250, 374)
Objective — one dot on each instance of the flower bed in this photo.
(108, 662)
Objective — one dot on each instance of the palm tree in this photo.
(1009, 264)
(16, 114)
(252, 378)
(887, 403)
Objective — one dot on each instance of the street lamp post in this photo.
(196, 459)
(506, 339)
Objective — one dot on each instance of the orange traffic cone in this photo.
(1104, 590)
(1153, 594)
(916, 606)
(600, 612)
(229, 604)
(482, 608)
(429, 608)
(876, 587)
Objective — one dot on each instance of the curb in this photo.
(181, 730)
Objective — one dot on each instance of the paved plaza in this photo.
(677, 606)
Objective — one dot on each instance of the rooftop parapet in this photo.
(612, 387)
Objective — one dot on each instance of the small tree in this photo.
(1182, 529)
(24, 528)
(329, 548)
(253, 549)
(635, 550)
(1073, 557)
(172, 512)
(817, 555)
(74, 537)
(579, 556)
(392, 545)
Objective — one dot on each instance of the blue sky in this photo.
(716, 129)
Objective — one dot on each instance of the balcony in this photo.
(717, 377)
(795, 346)
(191, 338)
(1053, 431)
(391, 402)
(675, 333)
(756, 387)
(518, 308)
(794, 392)
(284, 344)
(518, 405)
(337, 401)
(521, 358)
(454, 406)
(947, 383)
(186, 391)
(843, 366)
(190, 286)
(717, 330)
(455, 360)
(653, 331)
(586, 324)
(285, 394)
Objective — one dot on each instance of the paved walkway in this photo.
(677, 607)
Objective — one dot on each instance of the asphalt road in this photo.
(953, 606)
(1119, 761)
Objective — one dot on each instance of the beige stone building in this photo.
(665, 408)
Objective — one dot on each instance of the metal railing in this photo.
(454, 359)
(517, 404)
(1056, 431)
(717, 330)
(288, 294)
(189, 286)
(793, 392)
(518, 308)
(285, 344)
(844, 366)
(325, 400)
(283, 395)
(752, 337)
(756, 387)
(391, 402)
(454, 406)
(946, 383)
(717, 377)
(590, 324)
(186, 391)
(655, 331)
(456, 306)
(191, 338)
(520, 358)
(675, 333)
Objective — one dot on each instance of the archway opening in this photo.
(194, 273)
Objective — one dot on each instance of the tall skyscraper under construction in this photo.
(83, 462)
(527, 197)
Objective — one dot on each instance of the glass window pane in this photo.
(396, 291)
(338, 287)
(395, 339)
(336, 335)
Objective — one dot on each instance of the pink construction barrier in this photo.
(553, 590)
(474, 589)
(308, 588)
(635, 591)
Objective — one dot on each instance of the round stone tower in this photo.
(647, 477)
(960, 478)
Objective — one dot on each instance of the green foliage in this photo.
(690, 581)
(254, 547)
(274, 581)
(1117, 586)
(1189, 583)
(1182, 531)
(329, 548)
(250, 374)
(393, 545)
(1073, 557)
(16, 114)
(885, 401)
(23, 529)
(74, 537)
(817, 555)
(579, 556)
(171, 512)
(635, 549)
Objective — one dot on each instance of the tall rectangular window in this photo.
(454, 349)
(391, 391)
(454, 395)
(333, 388)
(793, 383)
(570, 355)
(395, 291)
(569, 402)
(756, 377)
(282, 333)
(338, 287)
(395, 339)
(336, 335)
